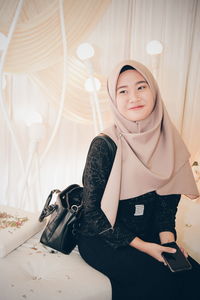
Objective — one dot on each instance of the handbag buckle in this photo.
(75, 208)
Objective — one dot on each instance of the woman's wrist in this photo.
(140, 244)
(166, 237)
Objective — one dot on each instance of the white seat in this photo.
(32, 272)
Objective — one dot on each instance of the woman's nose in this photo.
(133, 97)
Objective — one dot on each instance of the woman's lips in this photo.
(136, 107)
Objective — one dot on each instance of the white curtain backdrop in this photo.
(62, 165)
(118, 29)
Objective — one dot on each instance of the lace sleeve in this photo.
(166, 212)
(94, 222)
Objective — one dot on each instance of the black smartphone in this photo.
(176, 261)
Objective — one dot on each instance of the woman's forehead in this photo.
(130, 77)
(131, 74)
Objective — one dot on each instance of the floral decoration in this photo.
(7, 220)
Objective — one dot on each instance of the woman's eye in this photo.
(122, 91)
(141, 87)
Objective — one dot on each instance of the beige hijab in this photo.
(150, 156)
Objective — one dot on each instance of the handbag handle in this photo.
(65, 197)
(68, 193)
(48, 209)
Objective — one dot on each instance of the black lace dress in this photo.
(132, 273)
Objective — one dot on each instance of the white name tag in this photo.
(139, 210)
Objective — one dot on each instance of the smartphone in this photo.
(176, 261)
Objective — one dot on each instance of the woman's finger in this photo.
(168, 249)
(184, 251)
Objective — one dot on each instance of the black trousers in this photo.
(135, 275)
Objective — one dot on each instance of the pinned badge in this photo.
(139, 210)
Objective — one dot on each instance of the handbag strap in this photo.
(111, 144)
(72, 196)
(48, 209)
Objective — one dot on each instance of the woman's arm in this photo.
(94, 222)
(166, 209)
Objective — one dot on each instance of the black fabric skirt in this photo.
(135, 275)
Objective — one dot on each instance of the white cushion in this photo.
(16, 226)
(188, 226)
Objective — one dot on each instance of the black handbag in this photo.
(60, 231)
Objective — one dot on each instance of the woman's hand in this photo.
(155, 250)
(184, 251)
(167, 237)
(152, 249)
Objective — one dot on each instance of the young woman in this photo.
(133, 182)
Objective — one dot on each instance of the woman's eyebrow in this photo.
(142, 81)
(125, 86)
(122, 87)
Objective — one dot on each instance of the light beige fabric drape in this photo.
(191, 111)
(118, 29)
(36, 44)
(36, 47)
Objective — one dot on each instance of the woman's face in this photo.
(133, 96)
